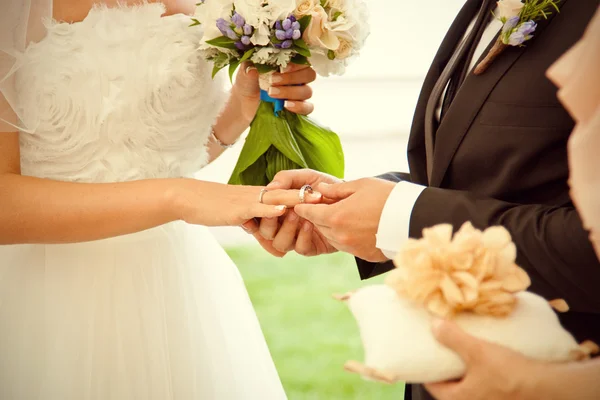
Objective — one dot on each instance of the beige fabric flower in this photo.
(472, 271)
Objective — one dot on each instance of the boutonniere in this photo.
(518, 19)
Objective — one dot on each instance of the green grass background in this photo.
(310, 334)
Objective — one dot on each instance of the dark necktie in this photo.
(451, 78)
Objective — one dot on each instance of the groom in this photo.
(490, 149)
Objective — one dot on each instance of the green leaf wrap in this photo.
(288, 141)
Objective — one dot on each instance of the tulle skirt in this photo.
(160, 314)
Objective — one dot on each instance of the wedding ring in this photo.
(261, 195)
(302, 193)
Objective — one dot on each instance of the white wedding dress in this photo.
(160, 314)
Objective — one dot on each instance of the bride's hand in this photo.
(292, 86)
(213, 204)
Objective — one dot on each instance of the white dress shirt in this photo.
(394, 224)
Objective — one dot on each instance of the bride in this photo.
(109, 288)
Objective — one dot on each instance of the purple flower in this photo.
(287, 44)
(240, 46)
(527, 28)
(289, 33)
(516, 39)
(231, 34)
(297, 34)
(246, 40)
(522, 33)
(280, 35)
(296, 26)
(225, 28)
(292, 18)
(277, 45)
(223, 25)
(238, 20)
(510, 24)
(278, 26)
(247, 30)
(286, 24)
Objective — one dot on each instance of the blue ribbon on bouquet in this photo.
(278, 104)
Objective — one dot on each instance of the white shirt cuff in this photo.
(394, 224)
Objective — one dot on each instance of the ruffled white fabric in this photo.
(161, 314)
(123, 95)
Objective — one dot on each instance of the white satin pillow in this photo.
(398, 341)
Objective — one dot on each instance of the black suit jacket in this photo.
(501, 159)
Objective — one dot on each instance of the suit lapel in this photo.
(468, 102)
(416, 143)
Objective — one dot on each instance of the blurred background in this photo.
(371, 108)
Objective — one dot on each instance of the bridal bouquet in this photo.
(272, 34)
(471, 277)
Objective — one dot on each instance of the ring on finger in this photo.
(302, 193)
(261, 195)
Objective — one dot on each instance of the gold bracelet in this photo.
(221, 144)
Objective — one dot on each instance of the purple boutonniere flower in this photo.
(518, 18)
(522, 34)
(510, 24)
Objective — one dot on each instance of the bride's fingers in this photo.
(304, 244)
(297, 77)
(299, 107)
(295, 67)
(250, 226)
(285, 238)
(290, 198)
(259, 210)
(268, 228)
(303, 92)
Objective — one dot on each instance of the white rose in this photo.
(318, 32)
(325, 67)
(258, 12)
(356, 25)
(509, 8)
(208, 14)
(345, 49)
(304, 7)
(339, 5)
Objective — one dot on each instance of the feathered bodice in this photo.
(122, 95)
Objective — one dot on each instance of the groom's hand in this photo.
(279, 236)
(350, 224)
(292, 179)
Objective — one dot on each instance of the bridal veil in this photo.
(21, 22)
